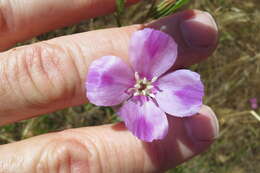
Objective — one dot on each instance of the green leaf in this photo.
(167, 7)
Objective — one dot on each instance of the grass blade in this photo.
(120, 8)
(167, 7)
(120, 4)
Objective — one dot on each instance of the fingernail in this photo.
(200, 30)
(203, 126)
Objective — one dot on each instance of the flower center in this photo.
(143, 87)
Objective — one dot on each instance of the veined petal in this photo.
(107, 81)
(145, 121)
(181, 93)
(152, 52)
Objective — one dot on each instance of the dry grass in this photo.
(231, 76)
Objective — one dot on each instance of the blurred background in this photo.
(231, 77)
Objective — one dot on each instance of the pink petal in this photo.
(152, 52)
(181, 93)
(145, 121)
(107, 81)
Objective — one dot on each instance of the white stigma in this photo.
(143, 86)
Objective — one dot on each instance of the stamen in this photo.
(145, 80)
(149, 86)
(152, 95)
(137, 77)
(154, 79)
(143, 86)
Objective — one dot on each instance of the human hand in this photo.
(50, 75)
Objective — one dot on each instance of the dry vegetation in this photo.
(231, 76)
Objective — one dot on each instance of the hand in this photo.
(50, 75)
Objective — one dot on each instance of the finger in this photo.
(47, 76)
(111, 148)
(195, 33)
(23, 19)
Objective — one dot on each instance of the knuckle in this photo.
(42, 70)
(65, 155)
(6, 16)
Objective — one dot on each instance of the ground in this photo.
(231, 77)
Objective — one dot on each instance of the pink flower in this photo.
(254, 104)
(144, 90)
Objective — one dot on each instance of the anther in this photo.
(137, 78)
(154, 79)
(149, 86)
(145, 80)
(152, 95)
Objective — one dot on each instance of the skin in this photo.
(50, 75)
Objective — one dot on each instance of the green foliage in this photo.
(167, 7)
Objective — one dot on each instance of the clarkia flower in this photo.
(145, 92)
(253, 102)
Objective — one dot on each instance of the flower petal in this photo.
(107, 81)
(181, 93)
(145, 121)
(152, 52)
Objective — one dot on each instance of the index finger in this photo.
(22, 19)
